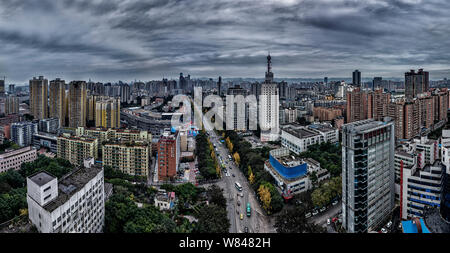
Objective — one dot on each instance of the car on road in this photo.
(328, 222)
(233, 175)
(384, 231)
(334, 203)
(334, 219)
(389, 224)
(307, 215)
(242, 216)
(323, 209)
(315, 212)
(238, 203)
(246, 229)
(241, 194)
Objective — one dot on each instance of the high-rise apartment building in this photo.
(283, 89)
(74, 203)
(367, 174)
(11, 89)
(2, 86)
(326, 113)
(356, 78)
(50, 125)
(219, 86)
(90, 109)
(269, 107)
(77, 104)
(57, 98)
(22, 132)
(76, 149)
(377, 82)
(11, 105)
(378, 104)
(357, 105)
(426, 110)
(416, 83)
(39, 97)
(440, 103)
(107, 112)
(132, 158)
(125, 92)
(238, 117)
(168, 149)
(363, 104)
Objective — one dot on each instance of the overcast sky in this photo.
(125, 40)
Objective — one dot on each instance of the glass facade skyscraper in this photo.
(367, 174)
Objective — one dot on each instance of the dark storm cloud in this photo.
(111, 39)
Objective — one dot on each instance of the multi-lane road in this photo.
(257, 222)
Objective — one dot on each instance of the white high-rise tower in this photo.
(269, 107)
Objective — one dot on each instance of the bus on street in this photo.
(249, 210)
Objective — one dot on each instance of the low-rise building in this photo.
(108, 134)
(50, 125)
(73, 204)
(420, 188)
(76, 149)
(45, 140)
(132, 158)
(165, 200)
(292, 175)
(297, 138)
(13, 159)
(412, 154)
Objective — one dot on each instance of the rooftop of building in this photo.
(435, 222)
(286, 166)
(41, 178)
(71, 183)
(46, 135)
(298, 131)
(119, 142)
(321, 127)
(119, 130)
(428, 167)
(365, 125)
(400, 151)
(165, 196)
(80, 138)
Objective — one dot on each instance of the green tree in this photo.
(213, 219)
(215, 196)
(294, 221)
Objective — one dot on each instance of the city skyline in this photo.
(116, 40)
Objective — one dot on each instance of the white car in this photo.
(315, 212)
(384, 231)
(328, 222)
(389, 224)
